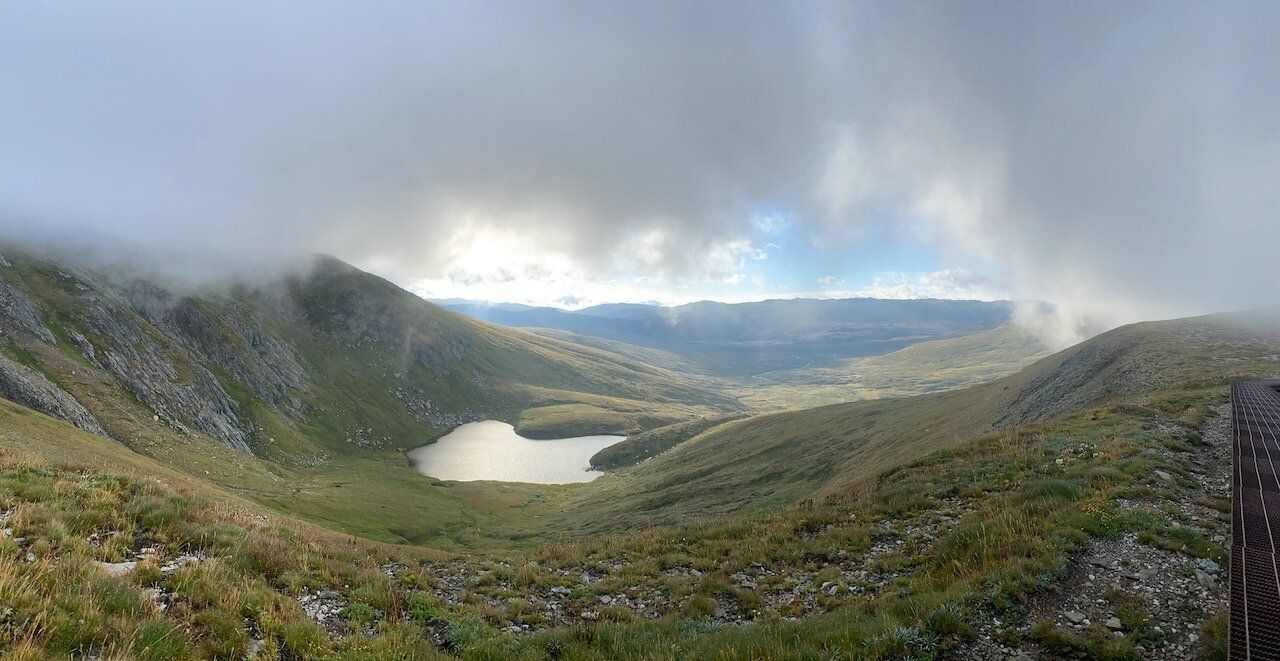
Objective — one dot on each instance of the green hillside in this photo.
(937, 515)
(917, 369)
(653, 442)
(777, 459)
(741, 340)
(303, 390)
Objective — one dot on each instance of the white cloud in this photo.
(490, 263)
(830, 281)
(770, 223)
(952, 283)
(726, 261)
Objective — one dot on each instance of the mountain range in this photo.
(744, 339)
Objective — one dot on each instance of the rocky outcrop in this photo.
(17, 314)
(231, 338)
(25, 386)
(180, 394)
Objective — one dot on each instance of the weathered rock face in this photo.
(31, 389)
(183, 394)
(230, 336)
(160, 346)
(18, 314)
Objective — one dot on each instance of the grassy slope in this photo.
(925, 367)
(1027, 496)
(777, 459)
(743, 339)
(72, 499)
(917, 369)
(378, 498)
(653, 442)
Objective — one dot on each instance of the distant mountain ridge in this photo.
(742, 339)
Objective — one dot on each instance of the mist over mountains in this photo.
(1113, 162)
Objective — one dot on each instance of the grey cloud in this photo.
(370, 131)
(1101, 152)
(1121, 151)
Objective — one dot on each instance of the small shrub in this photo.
(158, 640)
(221, 634)
(1053, 638)
(424, 609)
(463, 633)
(700, 606)
(361, 613)
(902, 643)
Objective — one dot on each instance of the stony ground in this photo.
(1124, 586)
(1157, 597)
(626, 588)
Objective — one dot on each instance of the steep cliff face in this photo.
(18, 316)
(151, 365)
(25, 386)
(328, 355)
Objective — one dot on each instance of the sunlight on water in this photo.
(492, 450)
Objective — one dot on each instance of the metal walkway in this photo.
(1255, 521)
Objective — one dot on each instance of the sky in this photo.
(1117, 159)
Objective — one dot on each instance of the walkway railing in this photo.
(1255, 521)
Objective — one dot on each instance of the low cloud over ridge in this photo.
(1117, 159)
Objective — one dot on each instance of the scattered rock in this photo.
(157, 598)
(179, 562)
(115, 568)
(324, 606)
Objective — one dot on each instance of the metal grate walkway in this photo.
(1255, 521)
